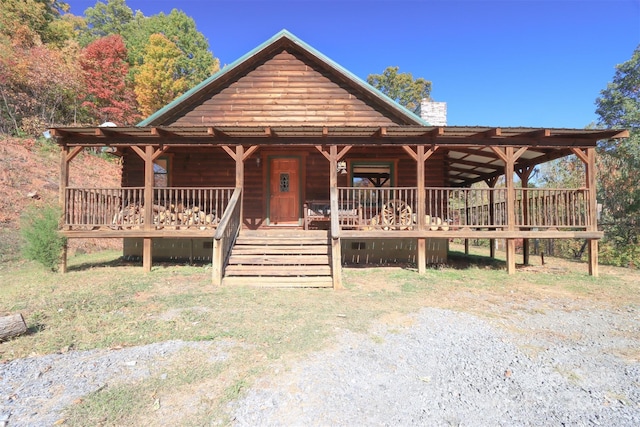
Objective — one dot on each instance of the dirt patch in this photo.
(29, 175)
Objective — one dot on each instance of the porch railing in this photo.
(552, 208)
(466, 207)
(379, 208)
(123, 208)
(225, 235)
(190, 207)
(445, 208)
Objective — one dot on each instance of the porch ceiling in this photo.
(470, 156)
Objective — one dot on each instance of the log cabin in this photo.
(284, 166)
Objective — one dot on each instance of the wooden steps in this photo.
(280, 258)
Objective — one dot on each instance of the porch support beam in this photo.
(250, 151)
(422, 247)
(420, 156)
(336, 243)
(66, 156)
(524, 174)
(509, 157)
(239, 155)
(229, 151)
(323, 152)
(588, 157)
(338, 155)
(491, 182)
(148, 206)
(240, 177)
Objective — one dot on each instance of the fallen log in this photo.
(11, 326)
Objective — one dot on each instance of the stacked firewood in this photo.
(177, 215)
(174, 215)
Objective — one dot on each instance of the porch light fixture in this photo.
(258, 161)
(342, 168)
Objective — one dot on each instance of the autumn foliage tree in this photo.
(60, 69)
(39, 82)
(105, 68)
(159, 79)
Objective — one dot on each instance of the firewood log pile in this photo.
(173, 215)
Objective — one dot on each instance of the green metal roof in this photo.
(410, 116)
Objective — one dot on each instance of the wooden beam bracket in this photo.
(323, 152)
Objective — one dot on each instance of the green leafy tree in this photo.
(196, 62)
(106, 19)
(160, 78)
(618, 106)
(401, 87)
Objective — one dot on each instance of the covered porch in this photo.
(476, 198)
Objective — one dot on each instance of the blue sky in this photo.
(538, 63)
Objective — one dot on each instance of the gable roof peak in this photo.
(282, 37)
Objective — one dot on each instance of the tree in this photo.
(33, 21)
(196, 62)
(618, 106)
(106, 19)
(160, 77)
(105, 67)
(401, 87)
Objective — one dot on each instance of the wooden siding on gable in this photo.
(285, 90)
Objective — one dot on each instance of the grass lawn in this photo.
(103, 302)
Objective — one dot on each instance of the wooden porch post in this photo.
(147, 245)
(422, 242)
(240, 177)
(64, 183)
(525, 174)
(593, 210)
(466, 220)
(336, 249)
(421, 156)
(66, 156)
(589, 160)
(492, 214)
(148, 156)
(508, 157)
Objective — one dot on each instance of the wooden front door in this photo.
(284, 190)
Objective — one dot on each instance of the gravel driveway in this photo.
(537, 366)
(555, 367)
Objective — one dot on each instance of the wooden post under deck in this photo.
(147, 246)
(492, 217)
(593, 210)
(336, 249)
(525, 174)
(420, 156)
(507, 155)
(422, 243)
(64, 183)
(240, 174)
(66, 156)
(588, 157)
(589, 160)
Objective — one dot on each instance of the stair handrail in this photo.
(225, 235)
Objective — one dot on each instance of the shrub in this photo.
(42, 243)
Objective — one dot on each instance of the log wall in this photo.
(213, 167)
(287, 89)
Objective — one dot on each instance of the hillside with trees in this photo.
(57, 68)
(113, 64)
